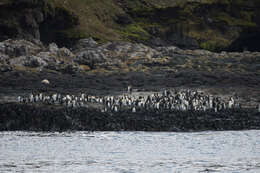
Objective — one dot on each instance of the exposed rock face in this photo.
(213, 25)
(32, 54)
(5, 68)
(53, 48)
(64, 52)
(90, 57)
(71, 69)
(29, 19)
(15, 48)
(116, 57)
(34, 61)
(85, 43)
(3, 58)
(28, 61)
(190, 24)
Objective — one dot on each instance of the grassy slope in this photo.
(98, 19)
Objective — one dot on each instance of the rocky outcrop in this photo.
(28, 61)
(85, 43)
(43, 118)
(113, 57)
(16, 48)
(90, 57)
(115, 65)
(22, 53)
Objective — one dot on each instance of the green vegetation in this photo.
(212, 45)
(231, 21)
(135, 32)
(159, 18)
(73, 34)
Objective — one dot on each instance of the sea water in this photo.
(130, 152)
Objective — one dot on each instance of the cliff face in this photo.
(36, 19)
(209, 24)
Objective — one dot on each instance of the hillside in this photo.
(208, 24)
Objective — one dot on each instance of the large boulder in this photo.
(3, 58)
(169, 50)
(5, 68)
(13, 50)
(53, 48)
(16, 48)
(90, 57)
(85, 44)
(71, 69)
(65, 53)
(48, 57)
(34, 61)
(28, 61)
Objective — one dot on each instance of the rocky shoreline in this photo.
(107, 69)
(111, 67)
(48, 118)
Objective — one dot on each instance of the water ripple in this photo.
(130, 152)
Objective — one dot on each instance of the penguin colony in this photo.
(168, 100)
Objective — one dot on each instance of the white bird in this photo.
(31, 98)
(54, 97)
(129, 89)
(45, 81)
(40, 96)
(19, 98)
(230, 103)
(36, 98)
(116, 109)
(133, 110)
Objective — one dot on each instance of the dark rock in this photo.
(65, 53)
(155, 42)
(28, 61)
(48, 57)
(3, 58)
(53, 48)
(71, 69)
(34, 61)
(213, 25)
(90, 57)
(16, 48)
(35, 20)
(179, 39)
(48, 118)
(85, 44)
(5, 68)
(123, 20)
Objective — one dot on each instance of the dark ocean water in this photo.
(130, 152)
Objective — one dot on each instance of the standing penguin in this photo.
(230, 103)
(19, 99)
(129, 89)
(134, 109)
(45, 83)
